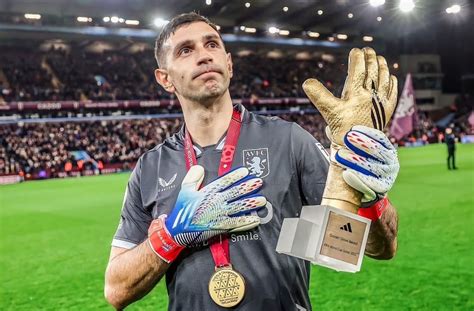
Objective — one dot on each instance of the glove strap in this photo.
(161, 242)
(374, 212)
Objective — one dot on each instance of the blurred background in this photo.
(79, 105)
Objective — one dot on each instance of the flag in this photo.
(471, 121)
(84, 156)
(405, 115)
(81, 155)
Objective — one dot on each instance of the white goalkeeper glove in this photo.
(222, 206)
(370, 162)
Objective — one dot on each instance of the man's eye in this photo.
(184, 51)
(212, 45)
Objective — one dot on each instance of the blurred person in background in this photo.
(450, 140)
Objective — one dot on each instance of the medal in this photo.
(226, 287)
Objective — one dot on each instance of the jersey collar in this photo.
(179, 136)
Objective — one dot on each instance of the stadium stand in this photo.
(119, 111)
(43, 149)
(81, 75)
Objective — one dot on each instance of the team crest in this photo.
(257, 161)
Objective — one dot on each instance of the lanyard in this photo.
(220, 247)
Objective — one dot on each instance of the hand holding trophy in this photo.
(369, 99)
(335, 236)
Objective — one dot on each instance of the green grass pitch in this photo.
(55, 237)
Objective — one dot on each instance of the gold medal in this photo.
(226, 287)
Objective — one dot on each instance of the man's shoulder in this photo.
(153, 154)
(267, 120)
(276, 127)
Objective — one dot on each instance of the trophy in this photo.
(332, 234)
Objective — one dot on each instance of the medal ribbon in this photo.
(219, 247)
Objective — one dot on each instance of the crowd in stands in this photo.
(31, 148)
(81, 75)
(47, 149)
(34, 147)
(27, 78)
(256, 76)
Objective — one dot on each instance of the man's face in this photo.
(196, 64)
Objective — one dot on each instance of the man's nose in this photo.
(204, 56)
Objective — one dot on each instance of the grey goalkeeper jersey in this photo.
(293, 166)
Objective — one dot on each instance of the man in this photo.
(170, 230)
(451, 144)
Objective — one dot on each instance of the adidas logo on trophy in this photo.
(346, 227)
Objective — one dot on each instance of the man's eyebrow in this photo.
(211, 37)
(181, 44)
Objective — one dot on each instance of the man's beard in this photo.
(208, 95)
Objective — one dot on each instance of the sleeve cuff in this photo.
(123, 244)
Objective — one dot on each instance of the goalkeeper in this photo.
(204, 209)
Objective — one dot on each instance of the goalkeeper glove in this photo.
(220, 207)
(370, 162)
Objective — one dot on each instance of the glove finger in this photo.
(378, 185)
(193, 178)
(226, 180)
(321, 97)
(384, 78)
(316, 91)
(366, 166)
(372, 69)
(355, 73)
(355, 182)
(392, 97)
(214, 209)
(240, 223)
(246, 205)
(375, 134)
(350, 160)
(247, 187)
(370, 143)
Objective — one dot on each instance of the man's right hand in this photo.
(221, 206)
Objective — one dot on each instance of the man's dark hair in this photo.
(172, 26)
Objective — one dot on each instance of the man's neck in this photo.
(208, 123)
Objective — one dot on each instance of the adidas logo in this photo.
(347, 227)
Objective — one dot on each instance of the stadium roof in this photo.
(299, 24)
(356, 17)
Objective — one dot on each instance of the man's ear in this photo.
(230, 65)
(162, 77)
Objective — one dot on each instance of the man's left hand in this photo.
(369, 96)
(370, 162)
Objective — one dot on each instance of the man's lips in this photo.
(202, 72)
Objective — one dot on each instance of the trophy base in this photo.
(326, 236)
